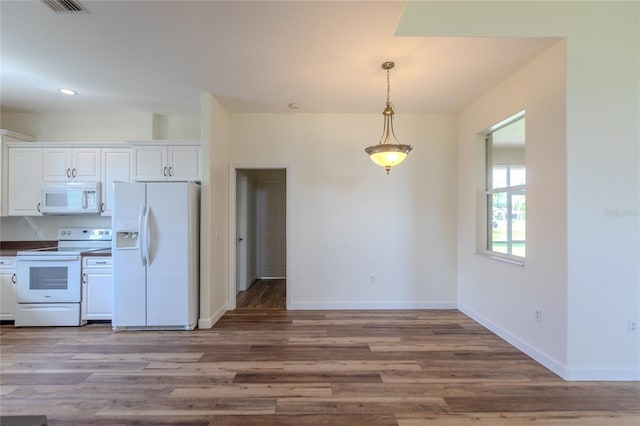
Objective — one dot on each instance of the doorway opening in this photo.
(261, 238)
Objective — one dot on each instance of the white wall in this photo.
(348, 219)
(214, 217)
(505, 296)
(106, 127)
(176, 127)
(84, 127)
(602, 170)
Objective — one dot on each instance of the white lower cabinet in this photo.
(7, 288)
(97, 288)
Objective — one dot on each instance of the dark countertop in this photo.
(11, 248)
(97, 253)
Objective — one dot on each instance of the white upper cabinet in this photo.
(184, 162)
(25, 179)
(158, 161)
(71, 164)
(116, 167)
(7, 136)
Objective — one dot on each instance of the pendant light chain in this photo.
(388, 87)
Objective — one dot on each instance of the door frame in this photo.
(241, 231)
(233, 237)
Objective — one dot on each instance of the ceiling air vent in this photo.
(65, 6)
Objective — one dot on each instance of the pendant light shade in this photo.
(389, 152)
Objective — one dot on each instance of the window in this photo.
(505, 188)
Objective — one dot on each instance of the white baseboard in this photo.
(603, 374)
(542, 358)
(567, 373)
(333, 306)
(209, 322)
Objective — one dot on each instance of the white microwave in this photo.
(70, 198)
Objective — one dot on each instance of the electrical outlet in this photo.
(632, 327)
(539, 315)
(372, 279)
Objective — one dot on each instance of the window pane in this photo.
(518, 222)
(498, 233)
(508, 223)
(499, 177)
(517, 175)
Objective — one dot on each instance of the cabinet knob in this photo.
(164, 171)
(170, 171)
(68, 173)
(38, 208)
(73, 173)
(14, 278)
(84, 278)
(102, 208)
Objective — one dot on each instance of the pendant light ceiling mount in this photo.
(388, 65)
(389, 151)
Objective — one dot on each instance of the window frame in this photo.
(509, 190)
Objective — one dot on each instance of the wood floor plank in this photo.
(560, 418)
(267, 366)
(331, 377)
(255, 390)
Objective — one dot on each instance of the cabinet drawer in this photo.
(7, 262)
(96, 262)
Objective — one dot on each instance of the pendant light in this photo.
(389, 151)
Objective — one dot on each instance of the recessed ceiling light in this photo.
(67, 91)
(294, 105)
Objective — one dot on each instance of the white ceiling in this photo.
(159, 56)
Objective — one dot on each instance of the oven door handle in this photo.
(62, 258)
(143, 260)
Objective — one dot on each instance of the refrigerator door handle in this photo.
(147, 235)
(143, 260)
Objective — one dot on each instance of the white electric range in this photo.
(48, 279)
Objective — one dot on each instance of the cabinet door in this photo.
(25, 178)
(7, 292)
(97, 295)
(116, 167)
(184, 162)
(57, 164)
(150, 163)
(86, 164)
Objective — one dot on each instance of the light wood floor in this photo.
(272, 367)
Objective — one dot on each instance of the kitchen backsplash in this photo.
(34, 228)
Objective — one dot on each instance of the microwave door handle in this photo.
(55, 258)
(85, 201)
(143, 260)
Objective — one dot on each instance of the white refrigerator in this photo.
(155, 251)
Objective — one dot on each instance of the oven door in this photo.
(48, 279)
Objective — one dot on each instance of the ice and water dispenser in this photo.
(127, 238)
